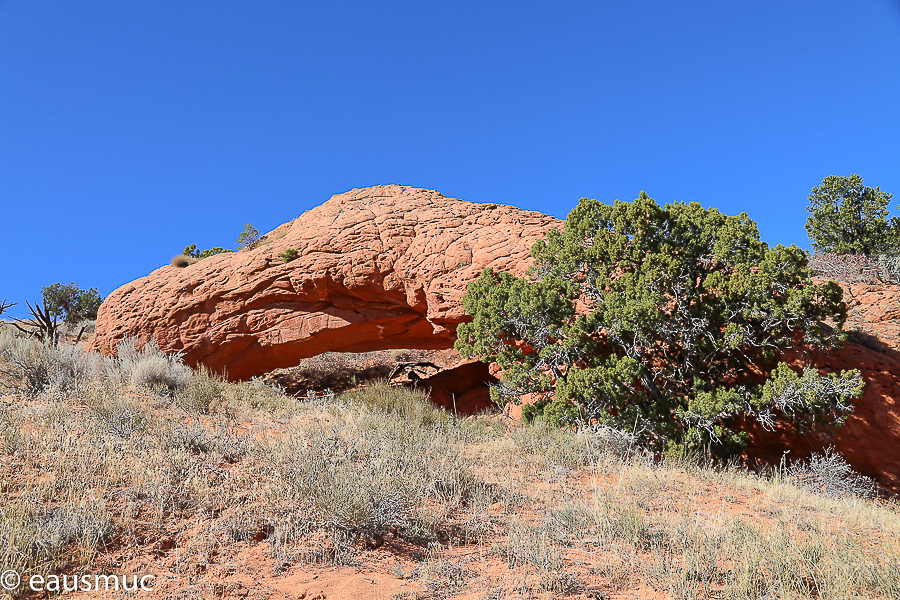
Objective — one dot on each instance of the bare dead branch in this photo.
(43, 326)
(4, 305)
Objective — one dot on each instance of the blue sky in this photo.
(131, 129)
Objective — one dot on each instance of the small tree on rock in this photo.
(667, 321)
(249, 238)
(847, 217)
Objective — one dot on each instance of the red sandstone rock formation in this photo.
(873, 310)
(463, 389)
(386, 267)
(869, 440)
(382, 267)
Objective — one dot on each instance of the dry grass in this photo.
(194, 477)
(181, 261)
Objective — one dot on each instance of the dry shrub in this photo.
(150, 367)
(412, 405)
(194, 438)
(27, 367)
(443, 578)
(35, 540)
(30, 367)
(119, 416)
(89, 326)
(182, 261)
(11, 435)
(257, 394)
(202, 393)
(579, 448)
(849, 268)
(889, 264)
(829, 474)
(217, 437)
(365, 471)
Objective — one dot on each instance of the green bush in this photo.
(288, 255)
(846, 217)
(192, 252)
(214, 251)
(71, 302)
(676, 303)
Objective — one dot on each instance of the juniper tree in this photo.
(668, 321)
(847, 217)
(71, 302)
(248, 238)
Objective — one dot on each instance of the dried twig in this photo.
(4, 306)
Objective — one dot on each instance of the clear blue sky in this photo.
(129, 129)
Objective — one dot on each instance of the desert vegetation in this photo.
(74, 305)
(247, 239)
(659, 320)
(643, 337)
(140, 464)
(848, 226)
(288, 255)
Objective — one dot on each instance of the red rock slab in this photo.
(378, 268)
(464, 389)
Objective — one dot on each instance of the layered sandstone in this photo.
(377, 268)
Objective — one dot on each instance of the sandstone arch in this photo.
(378, 268)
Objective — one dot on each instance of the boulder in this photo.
(377, 268)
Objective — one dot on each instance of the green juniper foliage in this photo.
(194, 253)
(249, 238)
(289, 255)
(846, 217)
(652, 319)
(71, 302)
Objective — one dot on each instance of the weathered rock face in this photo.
(378, 268)
(870, 438)
(873, 311)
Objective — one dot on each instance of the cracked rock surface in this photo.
(377, 268)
